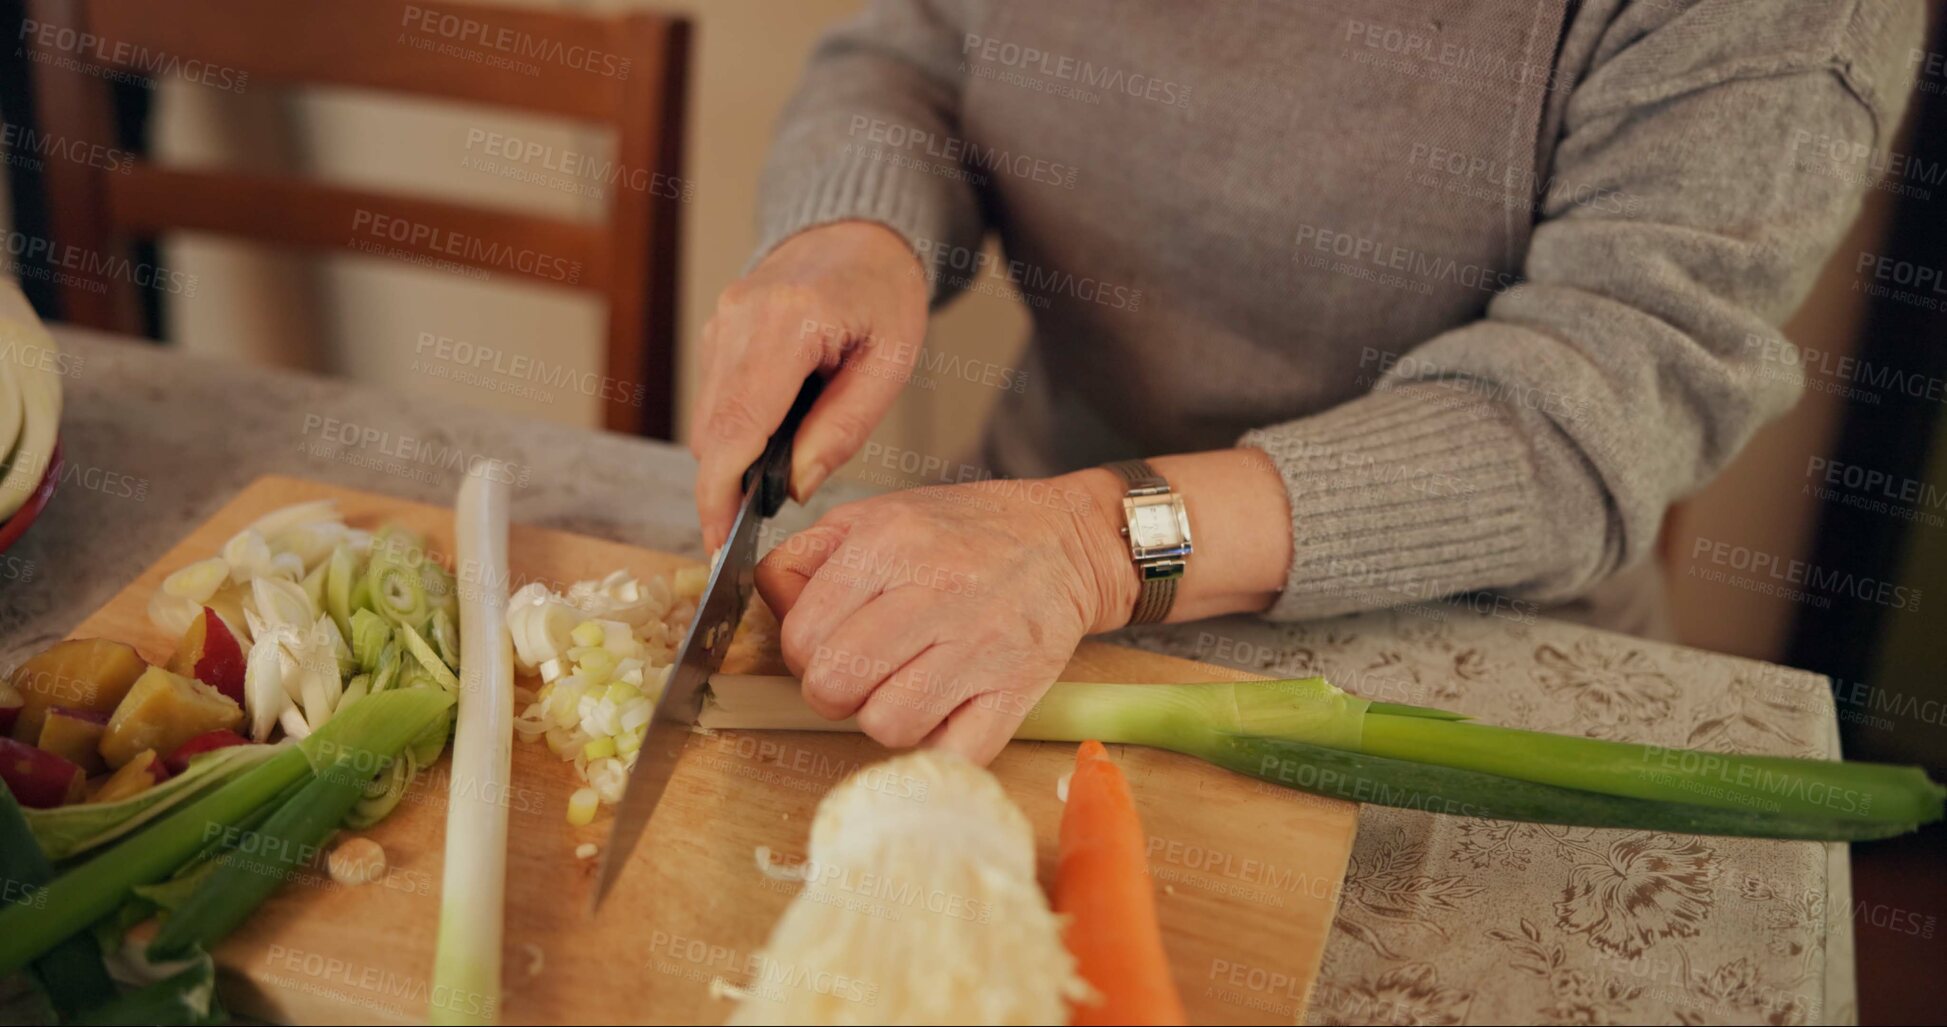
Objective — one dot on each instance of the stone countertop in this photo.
(1442, 918)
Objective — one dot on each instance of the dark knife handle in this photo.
(772, 471)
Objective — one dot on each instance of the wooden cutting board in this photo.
(1247, 874)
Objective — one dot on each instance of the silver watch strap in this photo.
(1138, 474)
(1158, 594)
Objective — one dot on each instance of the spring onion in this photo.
(282, 846)
(65, 831)
(369, 635)
(187, 996)
(340, 570)
(292, 546)
(378, 725)
(466, 967)
(416, 645)
(445, 637)
(71, 973)
(386, 673)
(95, 888)
(314, 585)
(384, 793)
(1307, 734)
(396, 579)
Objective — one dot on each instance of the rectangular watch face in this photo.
(1153, 525)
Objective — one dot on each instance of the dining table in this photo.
(1441, 918)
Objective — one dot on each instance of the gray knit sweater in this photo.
(1493, 281)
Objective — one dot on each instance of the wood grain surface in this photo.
(1248, 874)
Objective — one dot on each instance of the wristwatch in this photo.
(1157, 525)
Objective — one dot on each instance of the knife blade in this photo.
(718, 612)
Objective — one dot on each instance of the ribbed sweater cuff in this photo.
(855, 184)
(1401, 496)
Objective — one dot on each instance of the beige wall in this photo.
(1761, 501)
(363, 317)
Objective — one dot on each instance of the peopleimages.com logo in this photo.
(994, 53)
(465, 247)
(89, 53)
(467, 30)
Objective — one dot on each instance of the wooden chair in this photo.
(625, 71)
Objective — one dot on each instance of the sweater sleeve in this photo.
(1534, 452)
(867, 134)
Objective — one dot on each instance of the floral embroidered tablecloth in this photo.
(1450, 920)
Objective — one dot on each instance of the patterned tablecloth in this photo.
(1442, 920)
(1450, 920)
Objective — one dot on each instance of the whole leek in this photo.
(1308, 735)
(466, 965)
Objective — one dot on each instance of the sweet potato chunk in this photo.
(10, 704)
(91, 674)
(163, 711)
(38, 779)
(74, 735)
(208, 741)
(142, 772)
(211, 654)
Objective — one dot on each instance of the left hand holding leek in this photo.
(941, 614)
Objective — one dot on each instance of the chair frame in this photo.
(628, 72)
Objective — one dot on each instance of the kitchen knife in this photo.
(718, 611)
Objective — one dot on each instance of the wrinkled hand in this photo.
(847, 298)
(940, 615)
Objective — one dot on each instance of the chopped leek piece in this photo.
(621, 693)
(391, 660)
(429, 743)
(357, 688)
(314, 586)
(382, 795)
(594, 661)
(362, 594)
(582, 805)
(342, 568)
(428, 659)
(690, 581)
(369, 634)
(395, 574)
(445, 638)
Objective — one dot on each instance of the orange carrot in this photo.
(1102, 886)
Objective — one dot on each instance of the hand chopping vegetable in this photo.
(1250, 392)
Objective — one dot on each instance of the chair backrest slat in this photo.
(548, 61)
(624, 71)
(148, 199)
